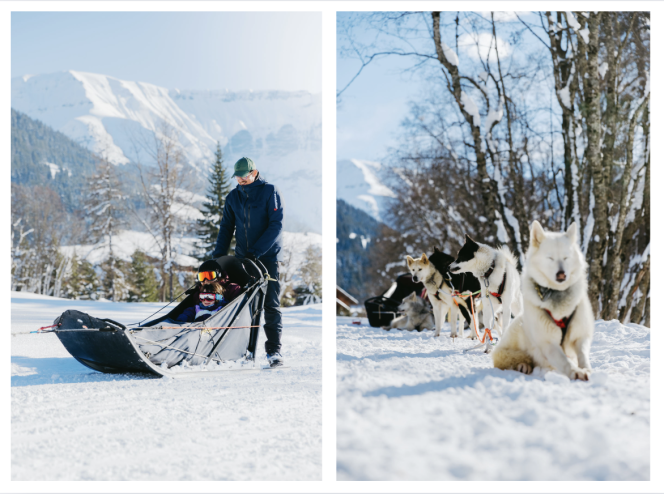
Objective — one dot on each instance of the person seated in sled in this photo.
(210, 275)
(210, 300)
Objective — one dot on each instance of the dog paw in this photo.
(454, 335)
(524, 368)
(386, 328)
(580, 374)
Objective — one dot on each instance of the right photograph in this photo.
(493, 246)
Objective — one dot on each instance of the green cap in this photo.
(243, 167)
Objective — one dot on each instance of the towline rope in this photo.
(199, 327)
(163, 345)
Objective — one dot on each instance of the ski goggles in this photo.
(207, 297)
(207, 275)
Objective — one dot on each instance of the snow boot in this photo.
(275, 359)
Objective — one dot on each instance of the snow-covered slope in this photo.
(71, 423)
(414, 407)
(359, 183)
(128, 241)
(280, 130)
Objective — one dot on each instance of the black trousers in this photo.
(272, 325)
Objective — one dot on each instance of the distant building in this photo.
(345, 303)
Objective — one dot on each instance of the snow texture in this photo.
(414, 407)
(471, 108)
(449, 54)
(71, 423)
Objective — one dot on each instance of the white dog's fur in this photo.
(554, 278)
(424, 271)
(479, 264)
(416, 315)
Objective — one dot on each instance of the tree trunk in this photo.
(598, 241)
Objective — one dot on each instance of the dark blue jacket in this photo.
(255, 213)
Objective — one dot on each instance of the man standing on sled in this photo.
(254, 212)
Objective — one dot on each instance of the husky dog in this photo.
(416, 315)
(556, 327)
(433, 272)
(499, 278)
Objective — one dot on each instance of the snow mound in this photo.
(414, 407)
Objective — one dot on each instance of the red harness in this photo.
(501, 288)
(563, 323)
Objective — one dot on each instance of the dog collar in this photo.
(544, 293)
(490, 271)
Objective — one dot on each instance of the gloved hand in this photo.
(219, 297)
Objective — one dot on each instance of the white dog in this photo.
(556, 327)
(498, 276)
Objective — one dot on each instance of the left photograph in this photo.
(166, 246)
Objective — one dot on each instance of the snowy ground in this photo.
(413, 407)
(72, 423)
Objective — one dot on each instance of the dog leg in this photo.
(560, 362)
(582, 348)
(454, 315)
(487, 313)
(439, 316)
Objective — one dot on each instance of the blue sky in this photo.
(184, 50)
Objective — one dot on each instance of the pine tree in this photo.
(115, 284)
(105, 209)
(143, 282)
(73, 283)
(213, 207)
(90, 285)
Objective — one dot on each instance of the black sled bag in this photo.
(381, 310)
(74, 319)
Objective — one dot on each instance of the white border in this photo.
(328, 485)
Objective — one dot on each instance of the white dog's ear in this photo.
(409, 260)
(425, 260)
(571, 232)
(536, 234)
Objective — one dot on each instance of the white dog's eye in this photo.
(564, 258)
(550, 258)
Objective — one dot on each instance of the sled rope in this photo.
(163, 345)
(201, 327)
(169, 303)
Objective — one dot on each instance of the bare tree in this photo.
(165, 186)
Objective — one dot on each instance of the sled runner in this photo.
(225, 341)
(382, 309)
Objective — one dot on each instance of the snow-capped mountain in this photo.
(279, 130)
(359, 183)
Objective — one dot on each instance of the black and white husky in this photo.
(556, 327)
(440, 284)
(499, 279)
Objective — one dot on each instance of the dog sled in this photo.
(382, 309)
(164, 347)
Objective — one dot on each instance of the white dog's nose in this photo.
(561, 276)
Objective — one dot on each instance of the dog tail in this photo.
(508, 254)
